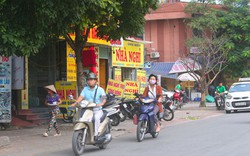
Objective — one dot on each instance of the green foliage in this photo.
(231, 18)
(26, 25)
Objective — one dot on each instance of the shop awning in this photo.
(161, 68)
(185, 65)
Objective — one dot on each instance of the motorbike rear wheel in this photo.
(168, 114)
(115, 119)
(77, 142)
(141, 130)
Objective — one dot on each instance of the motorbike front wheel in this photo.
(115, 119)
(78, 144)
(168, 114)
(141, 130)
(125, 115)
(155, 134)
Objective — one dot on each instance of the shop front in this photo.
(128, 64)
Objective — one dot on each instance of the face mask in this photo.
(152, 82)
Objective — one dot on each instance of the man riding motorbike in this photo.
(182, 93)
(151, 91)
(93, 93)
(220, 90)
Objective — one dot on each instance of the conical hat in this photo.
(51, 87)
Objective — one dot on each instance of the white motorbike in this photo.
(84, 128)
(114, 113)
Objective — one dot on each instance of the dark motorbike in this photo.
(220, 99)
(112, 106)
(68, 114)
(146, 121)
(168, 112)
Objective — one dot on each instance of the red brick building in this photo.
(166, 28)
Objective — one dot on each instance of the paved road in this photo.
(194, 131)
(219, 136)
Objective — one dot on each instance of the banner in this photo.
(64, 88)
(131, 55)
(115, 87)
(118, 74)
(131, 88)
(25, 91)
(17, 72)
(5, 89)
(71, 64)
(142, 78)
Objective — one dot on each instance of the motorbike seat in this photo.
(128, 100)
(105, 113)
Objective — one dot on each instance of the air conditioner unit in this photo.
(154, 55)
(194, 50)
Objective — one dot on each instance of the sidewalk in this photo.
(13, 136)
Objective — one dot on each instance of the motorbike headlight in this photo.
(229, 96)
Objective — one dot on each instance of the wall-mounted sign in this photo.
(131, 55)
(5, 89)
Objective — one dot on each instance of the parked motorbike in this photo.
(68, 114)
(112, 106)
(146, 121)
(178, 100)
(84, 128)
(168, 109)
(128, 108)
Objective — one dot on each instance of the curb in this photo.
(4, 141)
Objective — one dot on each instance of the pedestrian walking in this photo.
(52, 101)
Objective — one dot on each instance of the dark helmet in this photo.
(91, 76)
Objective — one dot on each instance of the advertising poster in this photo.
(142, 78)
(130, 55)
(25, 91)
(64, 88)
(71, 64)
(17, 72)
(131, 88)
(97, 61)
(5, 89)
(118, 74)
(115, 87)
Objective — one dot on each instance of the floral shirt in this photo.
(54, 98)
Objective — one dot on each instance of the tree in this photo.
(237, 25)
(26, 25)
(211, 42)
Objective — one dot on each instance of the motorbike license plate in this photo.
(172, 107)
(121, 115)
(240, 104)
(125, 105)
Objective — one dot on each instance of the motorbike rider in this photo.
(93, 93)
(182, 93)
(151, 91)
(220, 92)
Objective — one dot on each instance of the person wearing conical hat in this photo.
(52, 101)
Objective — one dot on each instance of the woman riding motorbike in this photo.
(154, 91)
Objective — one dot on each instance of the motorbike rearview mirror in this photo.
(70, 97)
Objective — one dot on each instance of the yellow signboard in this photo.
(115, 87)
(131, 88)
(25, 92)
(131, 55)
(64, 88)
(118, 74)
(71, 64)
(142, 78)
